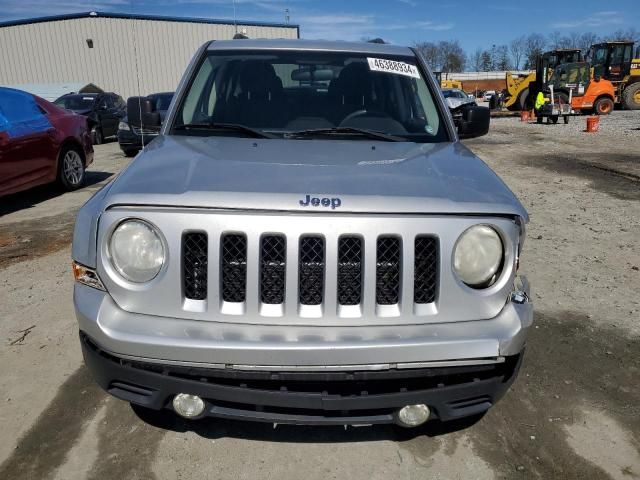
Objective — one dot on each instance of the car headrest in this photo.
(258, 79)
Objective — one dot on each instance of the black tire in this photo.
(631, 97)
(96, 135)
(523, 99)
(554, 119)
(130, 153)
(71, 168)
(603, 106)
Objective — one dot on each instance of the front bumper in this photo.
(306, 375)
(336, 398)
(215, 344)
(128, 140)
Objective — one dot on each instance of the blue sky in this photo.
(474, 23)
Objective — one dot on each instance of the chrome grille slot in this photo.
(388, 253)
(194, 265)
(311, 270)
(425, 277)
(349, 271)
(272, 269)
(234, 267)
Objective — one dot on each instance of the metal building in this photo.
(126, 54)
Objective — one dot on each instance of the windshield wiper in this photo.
(224, 126)
(344, 131)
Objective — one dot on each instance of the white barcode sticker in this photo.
(391, 66)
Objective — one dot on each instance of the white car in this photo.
(454, 97)
(488, 94)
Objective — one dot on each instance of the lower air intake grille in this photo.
(387, 270)
(350, 271)
(194, 265)
(425, 270)
(234, 268)
(311, 268)
(272, 269)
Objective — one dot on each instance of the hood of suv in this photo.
(311, 176)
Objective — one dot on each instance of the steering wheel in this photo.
(362, 113)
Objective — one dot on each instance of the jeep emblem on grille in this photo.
(317, 202)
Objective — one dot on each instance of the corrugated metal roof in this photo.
(131, 16)
(52, 91)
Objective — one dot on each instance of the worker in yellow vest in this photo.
(539, 102)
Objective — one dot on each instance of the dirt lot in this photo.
(574, 412)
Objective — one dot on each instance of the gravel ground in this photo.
(620, 124)
(572, 414)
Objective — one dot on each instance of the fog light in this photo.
(188, 406)
(413, 415)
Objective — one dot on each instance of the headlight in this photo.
(123, 126)
(136, 251)
(477, 257)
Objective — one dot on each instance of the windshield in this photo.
(454, 94)
(282, 92)
(76, 102)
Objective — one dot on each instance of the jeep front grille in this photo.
(234, 268)
(272, 269)
(425, 269)
(195, 259)
(388, 270)
(311, 271)
(393, 264)
(349, 271)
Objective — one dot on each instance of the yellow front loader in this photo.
(614, 61)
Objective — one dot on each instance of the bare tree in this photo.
(500, 57)
(430, 52)
(557, 41)
(452, 56)
(586, 40)
(518, 47)
(444, 56)
(631, 34)
(475, 60)
(535, 45)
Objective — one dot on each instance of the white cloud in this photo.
(39, 8)
(597, 19)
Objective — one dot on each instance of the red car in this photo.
(40, 143)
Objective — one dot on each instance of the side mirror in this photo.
(140, 112)
(473, 121)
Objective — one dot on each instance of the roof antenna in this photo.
(235, 22)
(135, 56)
(286, 16)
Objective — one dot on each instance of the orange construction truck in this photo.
(587, 93)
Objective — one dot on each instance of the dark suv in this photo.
(104, 111)
(132, 137)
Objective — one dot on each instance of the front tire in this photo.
(130, 153)
(603, 106)
(96, 135)
(523, 99)
(631, 97)
(71, 169)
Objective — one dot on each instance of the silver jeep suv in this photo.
(306, 241)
